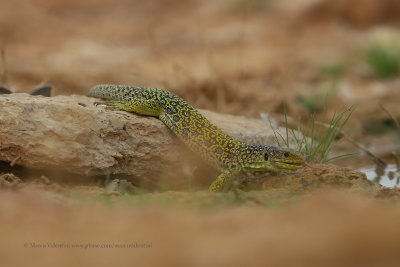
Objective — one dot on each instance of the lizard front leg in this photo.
(222, 180)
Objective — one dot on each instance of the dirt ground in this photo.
(235, 57)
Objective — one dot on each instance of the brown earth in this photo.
(233, 57)
(329, 228)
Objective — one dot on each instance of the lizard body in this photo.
(220, 150)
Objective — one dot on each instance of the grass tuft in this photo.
(316, 142)
(384, 60)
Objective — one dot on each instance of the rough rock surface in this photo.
(70, 134)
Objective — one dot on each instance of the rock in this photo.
(69, 134)
(117, 186)
(43, 180)
(10, 181)
(112, 187)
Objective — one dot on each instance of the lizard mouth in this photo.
(289, 165)
(294, 165)
(285, 165)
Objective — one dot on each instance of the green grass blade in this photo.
(341, 157)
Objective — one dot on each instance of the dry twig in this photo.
(396, 121)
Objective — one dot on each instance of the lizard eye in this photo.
(266, 156)
(286, 154)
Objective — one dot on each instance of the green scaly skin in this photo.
(225, 153)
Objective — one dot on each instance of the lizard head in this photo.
(261, 158)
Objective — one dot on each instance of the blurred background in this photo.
(232, 56)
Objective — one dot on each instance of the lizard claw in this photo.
(109, 105)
